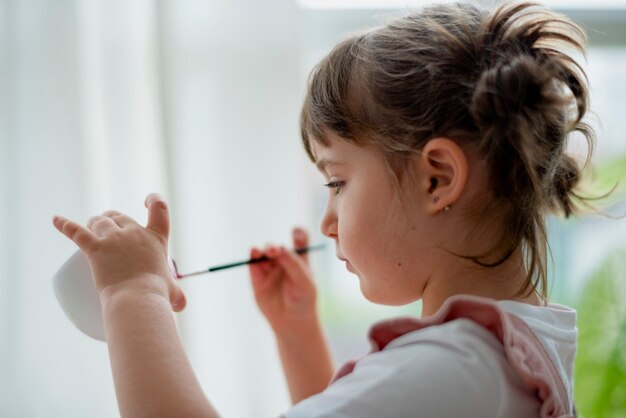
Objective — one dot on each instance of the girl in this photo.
(442, 139)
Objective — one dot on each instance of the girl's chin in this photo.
(383, 297)
(371, 294)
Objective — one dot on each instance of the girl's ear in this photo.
(443, 173)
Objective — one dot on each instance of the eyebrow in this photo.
(324, 162)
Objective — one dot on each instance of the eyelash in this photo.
(337, 185)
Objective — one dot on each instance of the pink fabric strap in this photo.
(523, 349)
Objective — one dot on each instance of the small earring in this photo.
(447, 208)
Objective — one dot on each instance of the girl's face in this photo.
(387, 247)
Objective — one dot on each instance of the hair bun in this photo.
(508, 89)
(566, 178)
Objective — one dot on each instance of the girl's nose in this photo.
(328, 225)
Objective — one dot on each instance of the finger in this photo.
(180, 300)
(119, 218)
(92, 220)
(293, 264)
(97, 218)
(301, 240)
(258, 272)
(267, 281)
(100, 219)
(264, 266)
(270, 252)
(102, 225)
(83, 237)
(158, 215)
(255, 269)
(255, 253)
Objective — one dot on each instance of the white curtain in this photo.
(80, 133)
(232, 88)
(49, 165)
(103, 102)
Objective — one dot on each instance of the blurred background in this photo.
(103, 102)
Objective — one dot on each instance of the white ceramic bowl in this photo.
(76, 292)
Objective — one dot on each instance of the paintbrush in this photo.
(241, 263)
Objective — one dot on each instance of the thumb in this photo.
(300, 240)
(158, 214)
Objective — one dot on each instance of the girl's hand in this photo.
(283, 287)
(125, 256)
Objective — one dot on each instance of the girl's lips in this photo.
(348, 265)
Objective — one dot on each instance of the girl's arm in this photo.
(152, 375)
(306, 360)
(129, 262)
(286, 295)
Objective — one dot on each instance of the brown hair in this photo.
(503, 80)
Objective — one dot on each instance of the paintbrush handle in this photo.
(250, 261)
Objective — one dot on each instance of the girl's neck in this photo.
(460, 276)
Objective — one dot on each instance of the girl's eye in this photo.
(337, 185)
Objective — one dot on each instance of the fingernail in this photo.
(298, 234)
(152, 197)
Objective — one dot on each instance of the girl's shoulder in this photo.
(456, 369)
(554, 326)
(453, 367)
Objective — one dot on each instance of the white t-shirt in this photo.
(456, 369)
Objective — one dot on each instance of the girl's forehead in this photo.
(336, 151)
(341, 154)
(322, 151)
(327, 156)
(335, 147)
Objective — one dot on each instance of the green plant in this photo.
(600, 368)
(608, 175)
